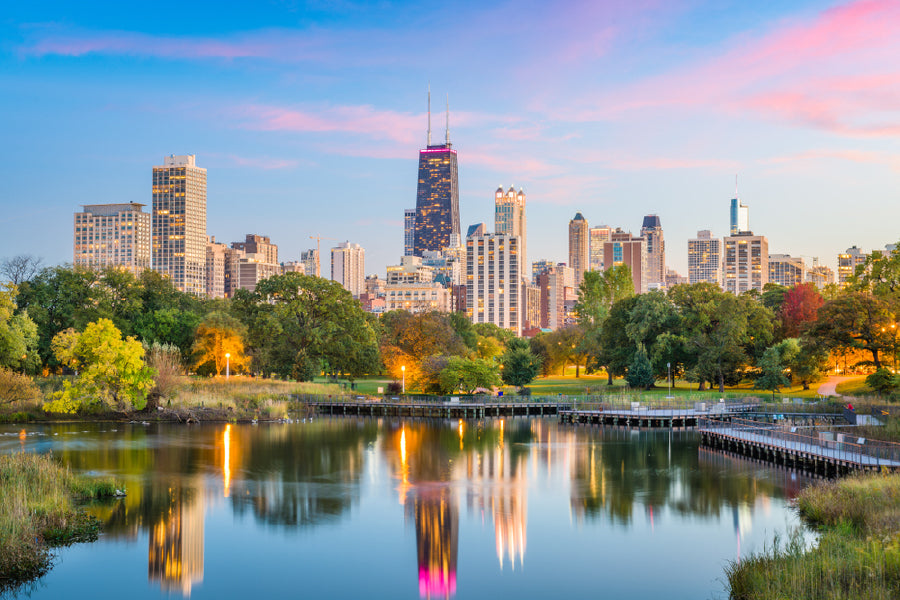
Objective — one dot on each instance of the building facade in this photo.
(179, 223)
(493, 281)
(599, 236)
(417, 297)
(258, 244)
(820, 275)
(652, 232)
(786, 270)
(310, 260)
(705, 259)
(745, 264)
(215, 268)
(579, 247)
(847, 263)
(624, 249)
(348, 267)
(556, 285)
(409, 231)
(410, 270)
(113, 235)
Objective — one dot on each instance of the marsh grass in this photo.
(246, 394)
(38, 512)
(858, 551)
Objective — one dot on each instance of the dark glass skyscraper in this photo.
(437, 196)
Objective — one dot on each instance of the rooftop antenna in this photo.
(429, 114)
(735, 185)
(448, 119)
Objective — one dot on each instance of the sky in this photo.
(309, 116)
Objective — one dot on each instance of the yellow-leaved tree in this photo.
(110, 370)
(219, 341)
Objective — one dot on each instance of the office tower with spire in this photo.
(509, 219)
(437, 195)
(179, 223)
(652, 231)
(579, 247)
(739, 215)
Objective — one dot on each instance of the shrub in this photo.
(17, 388)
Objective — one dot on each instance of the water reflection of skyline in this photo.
(301, 476)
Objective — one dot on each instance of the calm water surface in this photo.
(372, 508)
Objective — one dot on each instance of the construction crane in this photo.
(319, 239)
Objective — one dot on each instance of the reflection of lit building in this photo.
(176, 546)
(437, 543)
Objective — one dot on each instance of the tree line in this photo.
(292, 326)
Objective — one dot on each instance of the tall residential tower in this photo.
(579, 247)
(179, 223)
(509, 219)
(652, 231)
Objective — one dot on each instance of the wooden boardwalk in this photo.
(799, 449)
(654, 417)
(449, 410)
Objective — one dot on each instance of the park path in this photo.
(829, 388)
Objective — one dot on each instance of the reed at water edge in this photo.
(38, 512)
(857, 554)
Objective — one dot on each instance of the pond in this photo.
(393, 508)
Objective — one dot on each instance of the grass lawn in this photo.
(855, 387)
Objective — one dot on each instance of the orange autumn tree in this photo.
(219, 335)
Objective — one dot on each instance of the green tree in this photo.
(18, 336)
(883, 381)
(616, 351)
(771, 371)
(300, 324)
(110, 369)
(219, 342)
(519, 366)
(858, 321)
(468, 374)
(640, 372)
(879, 275)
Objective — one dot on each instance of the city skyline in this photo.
(790, 98)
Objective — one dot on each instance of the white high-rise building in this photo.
(494, 286)
(348, 267)
(509, 219)
(179, 223)
(112, 235)
(310, 260)
(705, 259)
(746, 263)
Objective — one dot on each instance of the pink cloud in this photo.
(825, 73)
(852, 155)
(363, 120)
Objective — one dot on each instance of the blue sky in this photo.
(309, 115)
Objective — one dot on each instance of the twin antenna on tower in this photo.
(429, 117)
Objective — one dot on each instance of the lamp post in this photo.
(403, 370)
(227, 365)
(669, 377)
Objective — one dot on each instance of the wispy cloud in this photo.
(820, 72)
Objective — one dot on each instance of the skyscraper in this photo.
(409, 231)
(652, 231)
(437, 195)
(179, 223)
(509, 219)
(705, 259)
(847, 263)
(348, 267)
(579, 247)
(112, 235)
(494, 286)
(740, 216)
(310, 260)
(623, 249)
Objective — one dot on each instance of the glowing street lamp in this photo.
(227, 364)
(403, 370)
